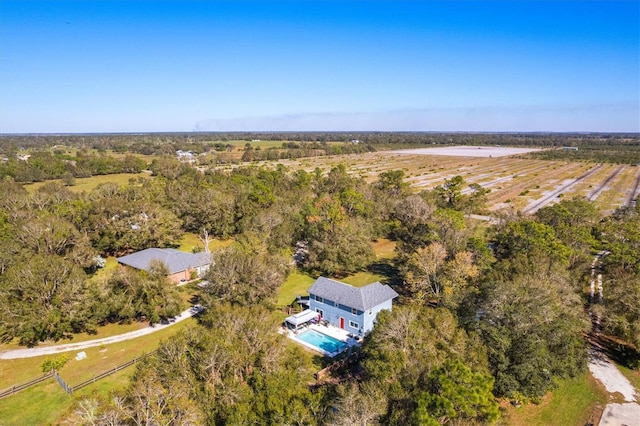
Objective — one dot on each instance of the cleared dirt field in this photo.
(522, 184)
(469, 151)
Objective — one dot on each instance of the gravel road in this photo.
(33, 352)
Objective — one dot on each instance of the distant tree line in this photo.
(43, 165)
(622, 153)
(166, 143)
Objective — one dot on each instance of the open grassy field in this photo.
(46, 402)
(99, 359)
(239, 145)
(87, 184)
(575, 402)
(189, 241)
(521, 183)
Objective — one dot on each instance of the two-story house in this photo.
(351, 308)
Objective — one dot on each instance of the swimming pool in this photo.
(326, 344)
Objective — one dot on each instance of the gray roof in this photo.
(362, 298)
(176, 260)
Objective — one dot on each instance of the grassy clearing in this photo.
(90, 183)
(42, 404)
(102, 273)
(384, 248)
(298, 282)
(99, 359)
(239, 145)
(360, 279)
(632, 375)
(47, 402)
(618, 191)
(576, 402)
(189, 241)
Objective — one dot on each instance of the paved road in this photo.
(32, 352)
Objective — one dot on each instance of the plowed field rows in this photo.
(523, 184)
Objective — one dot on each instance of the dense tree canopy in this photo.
(620, 235)
(482, 313)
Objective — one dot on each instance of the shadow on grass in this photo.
(620, 352)
(387, 270)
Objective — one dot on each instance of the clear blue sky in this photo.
(128, 66)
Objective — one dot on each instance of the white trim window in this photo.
(353, 324)
(319, 299)
(354, 311)
(320, 311)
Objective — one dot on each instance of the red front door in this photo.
(341, 322)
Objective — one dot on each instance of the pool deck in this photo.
(329, 330)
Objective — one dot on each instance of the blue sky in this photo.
(130, 66)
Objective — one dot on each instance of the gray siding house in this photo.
(351, 308)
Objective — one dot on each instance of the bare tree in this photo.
(205, 239)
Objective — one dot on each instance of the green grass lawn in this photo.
(99, 359)
(47, 402)
(632, 375)
(360, 279)
(102, 273)
(296, 284)
(87, 184)
(189, 241)
(575, 402)
(38, 405)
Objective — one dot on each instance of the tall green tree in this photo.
(574, 223)
(406, 346)
(43, 297)
(620, 235)
(533, 328)
(243, 278)
(456, 392)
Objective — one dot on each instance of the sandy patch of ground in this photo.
(621, 414)
(467, 151)
(609, 375)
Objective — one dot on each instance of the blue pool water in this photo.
(322, 341)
